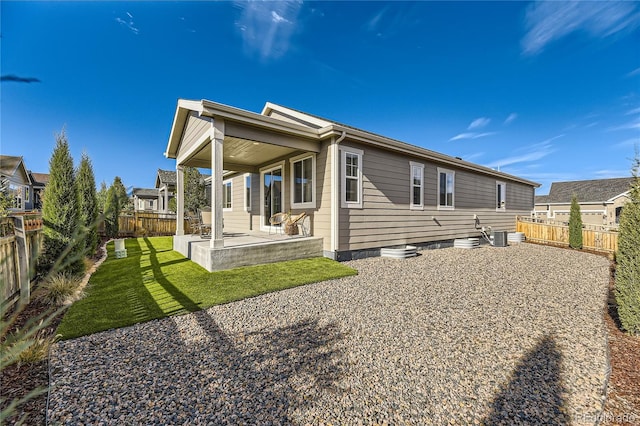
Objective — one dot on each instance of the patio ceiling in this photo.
(240, 155)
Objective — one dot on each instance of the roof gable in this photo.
(11, 166)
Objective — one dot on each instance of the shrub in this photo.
(38, 348)
(59, 289)
(575, 224)
(628, 258)
(61, 214)
(88, 204)
(111, 213)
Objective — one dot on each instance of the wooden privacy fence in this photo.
(139, 224)
(20, 243)
(603, 241)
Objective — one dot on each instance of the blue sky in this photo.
(547, 91)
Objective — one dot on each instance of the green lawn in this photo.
(154, 281)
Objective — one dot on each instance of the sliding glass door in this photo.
(272, 193)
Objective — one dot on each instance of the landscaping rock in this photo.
(492, 335)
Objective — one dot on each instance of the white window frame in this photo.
(27, 193)
(412, 167)
(453, 190)
(501, 204)
(306, 204)
(16, 193)
(344, 150)
(228, 182)
(247, 189)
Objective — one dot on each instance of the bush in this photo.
(628, 258)
(575, 224)
(61, 215)
(59, 289)
(38, 348)
(111, 213)
(88, 204)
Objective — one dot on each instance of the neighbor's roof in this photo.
(39, 178)
(10, 164)
(167, 176)
(311, 127)
(597, 190)
(145, 192)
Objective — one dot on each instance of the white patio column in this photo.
(166, 199)
(217, 138)
(180, 200)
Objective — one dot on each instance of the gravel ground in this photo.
(486, 336)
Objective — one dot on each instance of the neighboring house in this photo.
(165, 187)
(361, 190)
(38, 183)
(147, 199)
(601, 200)
(14, 173)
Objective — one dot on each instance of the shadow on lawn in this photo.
(534, 394)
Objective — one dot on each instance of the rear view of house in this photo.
(361, 191)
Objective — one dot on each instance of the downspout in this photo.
(335, 195)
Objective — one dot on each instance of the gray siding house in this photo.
(601, 200)
(362, 191)
(17, 180)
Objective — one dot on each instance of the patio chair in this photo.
(194, 223)
(205, 224)
(277, 220)
(293, 222)
(304, 226)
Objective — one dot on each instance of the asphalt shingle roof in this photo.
(8, 164)
(167, 177)
(597, 190)
(145, 192)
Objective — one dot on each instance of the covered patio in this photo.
(229, 141)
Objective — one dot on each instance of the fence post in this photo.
(23, 259)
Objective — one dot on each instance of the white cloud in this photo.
(267, 27)
(510, 119)
(532, 153)
(608, 174)
(373, 23)
(479, 123)
(128, 23)
(633, 73)
(548, 21)
(277, 18)
(633, 111)
(471, 135)
(632, 125)
(628, 142)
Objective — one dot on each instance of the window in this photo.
(302, 185)
(446, 185)
(26, 194)
(247, 192)
(501, 196)
(417, 186)
(226, 195)
(351, 177)
(15, 192)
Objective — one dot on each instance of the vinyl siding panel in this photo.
(195, 128)
(386, 218)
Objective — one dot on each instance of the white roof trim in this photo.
(624, 194)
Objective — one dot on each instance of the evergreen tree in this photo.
(61, 215)
(575, 224)
(88, 204)
(123, 199)
(194, 190)
(627, 288)
(101, 197)
(111, 213)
